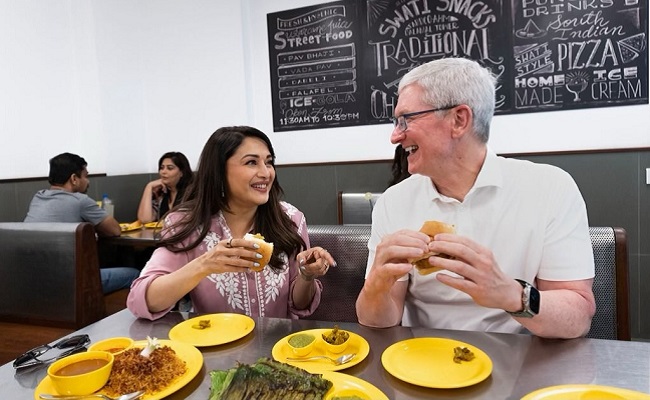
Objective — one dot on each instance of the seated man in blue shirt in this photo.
(66, 201)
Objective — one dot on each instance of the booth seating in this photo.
(356, 208)
(50, 275)
(348, 245)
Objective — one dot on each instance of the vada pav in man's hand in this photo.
(431, 228)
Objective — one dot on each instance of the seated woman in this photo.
(161, 195)
(203, 251)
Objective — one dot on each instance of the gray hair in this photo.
(455, 81)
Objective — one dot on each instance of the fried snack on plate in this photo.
(133, 371)
(462, 354)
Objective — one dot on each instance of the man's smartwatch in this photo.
(529, 299)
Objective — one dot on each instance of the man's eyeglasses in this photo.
(401, 120)
(60, 349)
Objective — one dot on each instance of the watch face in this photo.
(533, 300)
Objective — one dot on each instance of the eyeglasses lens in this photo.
(60, 349)
(399, 122)
(74, 341)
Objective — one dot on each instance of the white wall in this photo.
(120, 82)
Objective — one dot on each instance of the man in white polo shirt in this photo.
(522, 256)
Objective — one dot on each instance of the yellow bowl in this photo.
(298, 344)
(336, 348)
(82, 373)
(115, 345)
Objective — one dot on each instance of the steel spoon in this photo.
(345, 358)
(128, 396)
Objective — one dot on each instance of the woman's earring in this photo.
(223, 194)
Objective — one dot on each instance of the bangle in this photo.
(304, 274)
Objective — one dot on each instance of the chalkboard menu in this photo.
(577, 54)
(403, 34)
(314, 66)
(339, 64)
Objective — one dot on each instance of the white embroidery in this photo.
(229, 285)
(274, 281)
(211, 240)
(234, 287)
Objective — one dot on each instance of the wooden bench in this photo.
(50, 275)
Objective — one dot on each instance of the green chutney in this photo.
(301, 340)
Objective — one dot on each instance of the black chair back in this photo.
(348, 244)
(610, 287)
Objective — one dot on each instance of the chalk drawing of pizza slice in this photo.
(631, 47)
(530, 31)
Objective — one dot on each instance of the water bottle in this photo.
(107, 204)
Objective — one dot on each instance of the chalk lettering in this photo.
(461, 43)
(616, 90)
(406, 12)
(538, 97)
(589, 54)
(478, 12)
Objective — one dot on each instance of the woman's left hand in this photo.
(315, 262)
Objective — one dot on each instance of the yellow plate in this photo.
(358, 344)
(190, 354)
(153, 225)
(429, 362)
(347, 385)
(586, 392)
(133, 226)
(224, 328)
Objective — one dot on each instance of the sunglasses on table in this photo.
(58, 350)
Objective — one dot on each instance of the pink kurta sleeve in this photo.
(299, 219)
(162, 262)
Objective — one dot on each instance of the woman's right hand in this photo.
(157, 188)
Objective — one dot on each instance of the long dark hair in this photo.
(400, 167)
(208, 194)
(183, 165)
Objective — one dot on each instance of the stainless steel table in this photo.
(522, 363)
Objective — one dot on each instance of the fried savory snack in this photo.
(431, 228)
(336, 336)
(132, 372)
(204, 323)
(266, 250)
(462, 354)
(266, 380)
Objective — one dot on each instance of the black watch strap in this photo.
(530, 299)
